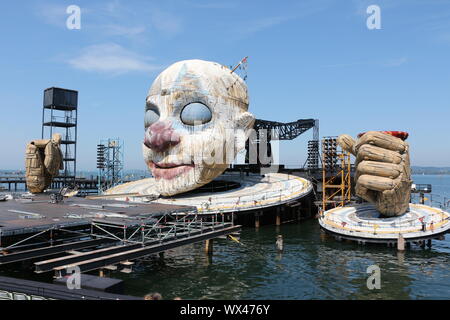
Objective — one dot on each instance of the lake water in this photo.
(312, 266)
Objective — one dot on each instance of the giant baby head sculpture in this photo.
(196, 121)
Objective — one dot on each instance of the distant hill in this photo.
(430, 170)
(128, 174)
(139, 174)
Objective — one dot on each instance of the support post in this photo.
(257, 223)
(278, 217)
(209, 246)
(400, 243)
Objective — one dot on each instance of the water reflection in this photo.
(311, 266)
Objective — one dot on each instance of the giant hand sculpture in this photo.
(383, 174)
(43, 160)
(196, 121)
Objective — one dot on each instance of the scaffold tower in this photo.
(59, 115)
(312, 162)
(109, 163)
(336, 174)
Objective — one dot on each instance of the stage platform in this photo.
(254, 192)
(31, 214)
(363, 223)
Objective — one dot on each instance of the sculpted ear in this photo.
(244, 125)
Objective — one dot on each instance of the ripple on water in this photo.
(310, 267)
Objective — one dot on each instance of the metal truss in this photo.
(161, 229)
(284, 131)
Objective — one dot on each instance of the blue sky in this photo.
(307, 59)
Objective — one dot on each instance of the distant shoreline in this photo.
(430, 174)
(415, 170)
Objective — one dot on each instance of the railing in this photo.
(255, 201)
(166, 227)
(434, 200)
(439, 220)
(64, 119)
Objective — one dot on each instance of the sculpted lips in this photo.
(168, 171)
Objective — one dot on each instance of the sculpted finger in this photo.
(56, 139)
(372, 153)
(380, 169)
(34, 169)
(396, 201)
(52, 160)
(366, 194)
(40, 143)
(376, 183)
(382, 140)
(347, 143)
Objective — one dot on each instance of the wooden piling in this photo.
(257, 216)
(209, 246)
(400, 243)
(278, 217)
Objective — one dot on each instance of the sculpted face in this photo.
(196, 121)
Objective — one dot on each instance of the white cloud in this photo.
(344, 65)
(362, 5)
(395, 62)
(264, 23)
(53, 14)
(111, 58)
(120, 30)
(212, 5)
(296, 11)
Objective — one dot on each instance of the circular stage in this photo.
(251, 192)
(363, 223)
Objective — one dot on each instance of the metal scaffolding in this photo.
(277, 131)
(59, 115)
(158, 229)
(336, 174)
(109, 163)
(312, 162)
(109, 243)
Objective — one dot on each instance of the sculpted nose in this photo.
(160, 136)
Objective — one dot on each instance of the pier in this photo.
(362, 223)
(98, 234)
(16, 183)
(19, 289)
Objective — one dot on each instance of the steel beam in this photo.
(39, 290)
(285, 131)
(42, 252)
(102, 262)
(48, 265)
